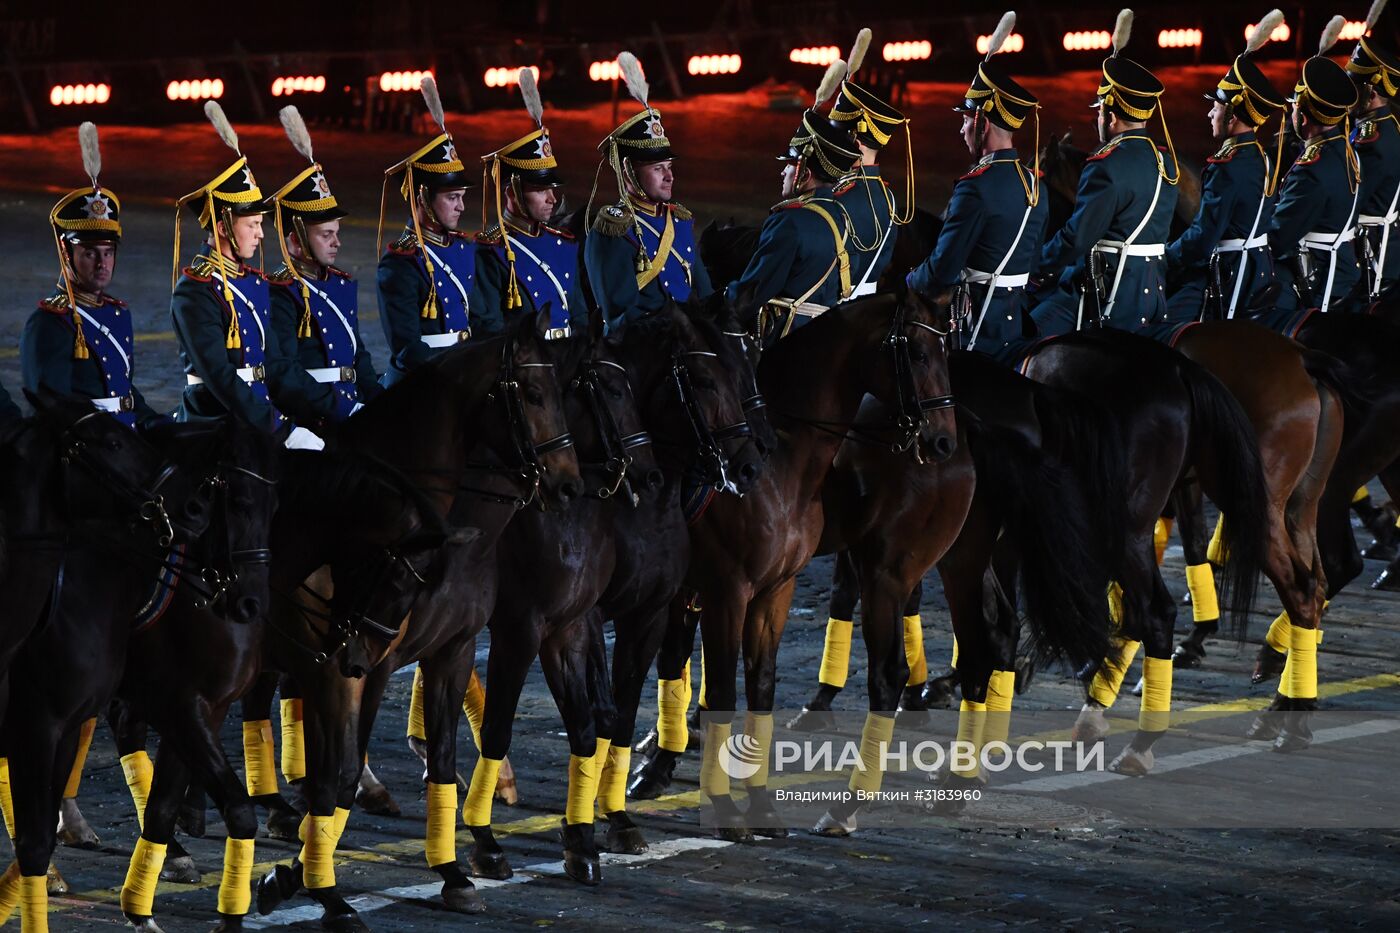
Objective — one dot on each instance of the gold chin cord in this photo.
(1171, 149)
(80, 347)
(304, 325)
(513, 298)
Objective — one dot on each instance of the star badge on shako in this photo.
(449, 152)
(97, 206)
(319, 185)
(248, 178)
(655, 129)
(543, 149)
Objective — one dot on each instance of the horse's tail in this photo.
(1352, 387)
(1221, 430)
(1063, 506)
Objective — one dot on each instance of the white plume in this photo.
(857, 56)
(1375, 14)
(835, 73)
(1271, 21)
(530, 94)
(296, 130)
(434, 101)
(634, 79)
(999, 36)
(92, 155)
(1330, 34)
(216, 116)
(1122, 31)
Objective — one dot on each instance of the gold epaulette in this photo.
(1312, 151)
(55, 304)
(406, 243)
(202, 266)
(680, 211)
(611, 221)
(282, 276)
(491, 236)
(798, 201)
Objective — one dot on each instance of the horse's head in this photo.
(613, 437)
(1062, 163)
(243, 471)
(122, 475)
(920, 391)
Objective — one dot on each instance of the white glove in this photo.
(302, 439)
(358, 406)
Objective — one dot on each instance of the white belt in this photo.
(1328, 242)
(333, 374)
(1131, 249)
(975, 277)
(122, 403)
(863, 289)
(805, 308)
(248, 374)
(1238, 244)
(558, 333)
(447, 339)
(1373, 220)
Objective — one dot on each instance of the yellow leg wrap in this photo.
(954, 662)
(139, 890)
(1360, 495)
(972, 724)
(442, 824)
(9, 892)
(583, 788)
(34, 904)
(293, 741)
(75, 776)
(701, 700)
(1277, 635)
(875, 737)
(672, 700)
(836, 654)
(1215, 551)
(612, 783)
(477, 810)
(7, 801)
(1397, 522)
(318, 852)
(1200, 580)
(235, 887)
(261, 773)
(342, 817)
(474, 707)
(689, 687)
(1155, 712)
(714, 782)
(1109, 679)
(760, 727)
(138, 770)
(415, 709)
(1300, 681)
(1001, 690)
(1115, 603)
(914, 650)
(1161, 532)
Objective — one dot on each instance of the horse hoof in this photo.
(275, 887)
(1091, 727)
(506, 791)
(938, 693)
(144, 924)
(1188, 655)
(485, 864)
(762, 817)
(228, 923)
(1132, 762)
(53, 881)
(463, 900)
(623, 836)
(1266, 726)
(739, 834)
(580, 853)
(647, 745)
(833, 828)
(654, 776)
(1025, 673)
(813, 720)
(344, 923)
(1269, 664)
(73, 829)
(1296, 733)
(180, 870)
(375, 800)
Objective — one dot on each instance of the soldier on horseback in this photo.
(1222, 260)
(220, 308)
(1315, 218)
(802, 265)
(993, 227)
(80, 340)
(427, 276)
(1375, 69)
(866, 198)
(523, 262)
(315, 305)
(643, 248)
(1109, 256)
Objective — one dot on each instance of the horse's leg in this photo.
(40, 747)
(638, 636)
(1389, 578)
(1130, 602)
(1154, 715)
(763, 630)
(836, 649)
(259, 755)
(73, 829)
(373, 796)
(672, 700)
(722, 626)
(1200, 578)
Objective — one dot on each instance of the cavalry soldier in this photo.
(643, 248)
(801, 266)
(1223, 258)
(314, 304)
(426, 277)
(1375, 69)
(524, 263)
(1314, 220)
(221, 306)
(1114, 242)
(80, 339)
(995, 221)
(865, 196)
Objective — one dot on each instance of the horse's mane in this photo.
(323, 485)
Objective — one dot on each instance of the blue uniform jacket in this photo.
(1233, 207)
(1377, 141)
(611, 250)
(413, 306)
(983, 217)
(1316, 197)
(1115, 193)
(319, 329)
(546, 272)
(796, 249)
(869, 205)
(46, 354)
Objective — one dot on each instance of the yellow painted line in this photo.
(395, 851)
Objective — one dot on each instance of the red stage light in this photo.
(908, 51)
(301, 84)
(62, 95)
(1179, 39)
(714, 64)
(504, 77)
(1087, 41)
(1014, 43)
(402, 80)
(195, 89)
(604, 71)
(815, 55)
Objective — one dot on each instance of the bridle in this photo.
(617, 460)
(911, 407)
(507, 389)
(213, 578)
(712, 460)
(74, 450)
